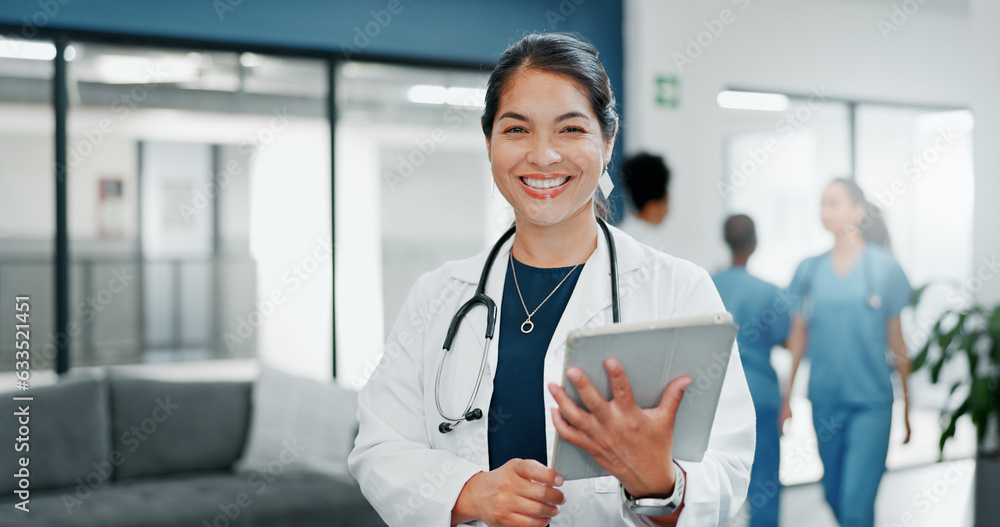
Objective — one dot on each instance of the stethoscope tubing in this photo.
(480, 298)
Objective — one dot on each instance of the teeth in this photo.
(544, 183)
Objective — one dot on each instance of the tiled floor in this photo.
(932, 495)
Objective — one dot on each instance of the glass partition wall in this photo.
(200, 206)
(414, 190)
(27, 196)
(198, 210)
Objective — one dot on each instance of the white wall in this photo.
(787, 46)
(986, 105)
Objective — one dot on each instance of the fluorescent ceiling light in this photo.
(473, 97)
(135, 69)
(959, 120)
(455, 96)
(748, 100)
(427, 94)
(250, 60)
(26, 49)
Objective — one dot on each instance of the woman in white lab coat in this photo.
(550, 125)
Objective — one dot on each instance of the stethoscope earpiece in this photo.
(471, 415)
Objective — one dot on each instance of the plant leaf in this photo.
(921, 358)
(949, 431)
(917, 293)
(981, 400)
(994, 324)
(944, 340)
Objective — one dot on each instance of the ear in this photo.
(489, 150)
(609, 147)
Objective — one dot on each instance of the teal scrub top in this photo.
(847, 343)
(762, 311)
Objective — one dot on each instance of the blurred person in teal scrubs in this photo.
(846, 320)
(762, 311)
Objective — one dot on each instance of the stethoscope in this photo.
(872, 299)
(481, 299)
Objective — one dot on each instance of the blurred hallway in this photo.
(916, 497)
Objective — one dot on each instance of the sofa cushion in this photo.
(161, 427)
(216, 499)
(300, 424)
(68, 434)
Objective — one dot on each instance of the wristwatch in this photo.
(658, 506)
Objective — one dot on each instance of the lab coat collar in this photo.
(591, 296)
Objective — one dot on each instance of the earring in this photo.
(606, 184)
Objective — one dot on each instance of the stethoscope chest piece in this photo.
(874, 300)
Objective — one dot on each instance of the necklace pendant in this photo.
(527, 326)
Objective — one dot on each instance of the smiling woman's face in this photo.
(546, 148)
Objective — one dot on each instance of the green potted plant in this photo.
(972, 334)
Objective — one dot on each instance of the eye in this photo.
(574, 129)
(514, 130)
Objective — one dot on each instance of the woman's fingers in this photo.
(535, 508)
(576, 416)
(551, 497)
(536, 495)
(594, 402)
(533, 470)
(621, 389)
(524, 520)
(570, 433)
(672, 396)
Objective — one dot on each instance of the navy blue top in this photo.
(516, 426)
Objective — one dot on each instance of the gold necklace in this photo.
(528, 325)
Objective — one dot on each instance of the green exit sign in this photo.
(667, 91)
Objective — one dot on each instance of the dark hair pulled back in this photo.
(872, 225)
(563, 54)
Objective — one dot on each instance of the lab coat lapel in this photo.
(590, 303)
(592, 295)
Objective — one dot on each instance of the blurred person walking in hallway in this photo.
(762, 311)
(849, 300)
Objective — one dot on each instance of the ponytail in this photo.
(872, 225)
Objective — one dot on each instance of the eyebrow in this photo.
(563, 117)
(571, 115)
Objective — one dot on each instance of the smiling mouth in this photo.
(545, 183)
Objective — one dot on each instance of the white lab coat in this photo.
(412, 474)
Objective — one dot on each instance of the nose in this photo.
(543, 153)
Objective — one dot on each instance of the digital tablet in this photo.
(653, 354)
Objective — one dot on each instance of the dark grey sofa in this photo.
(122, 451)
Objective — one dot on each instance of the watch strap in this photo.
(658, 506)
